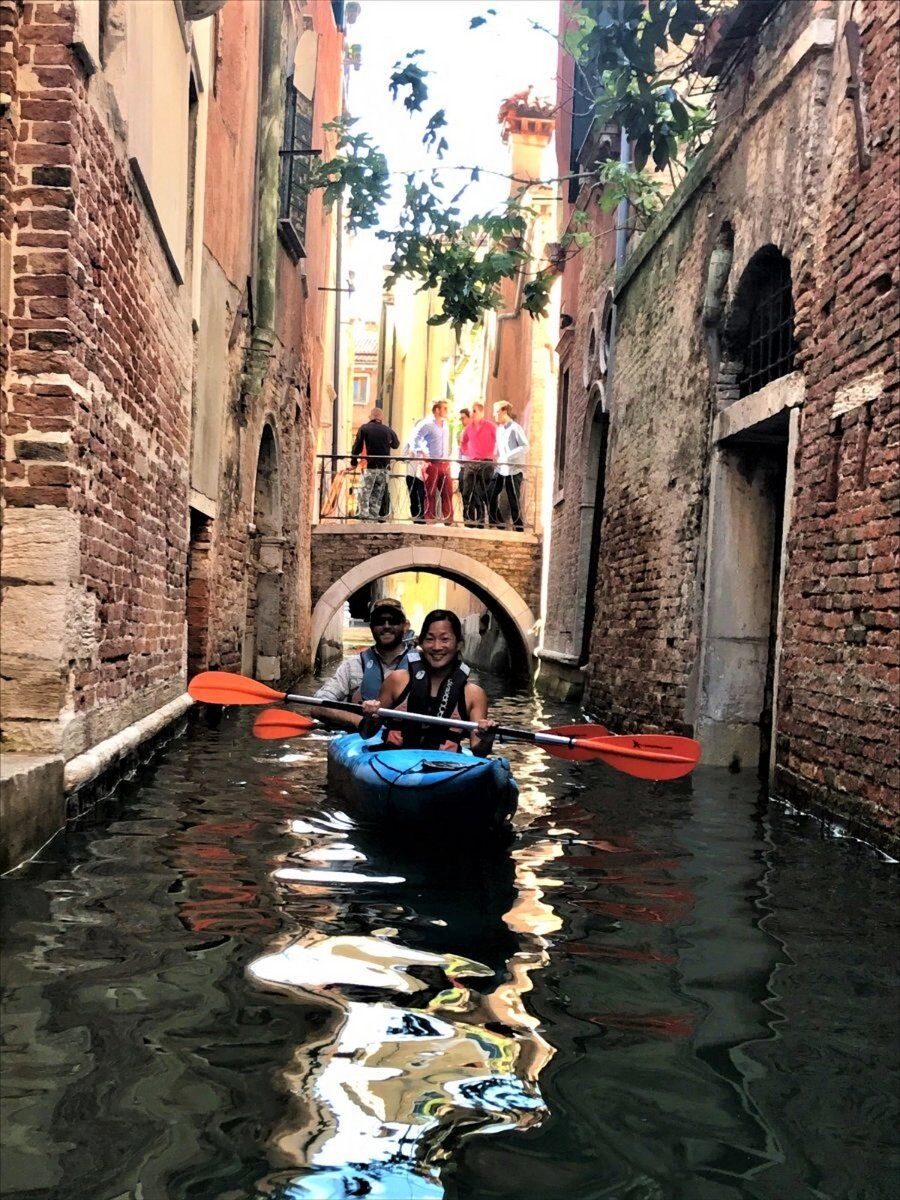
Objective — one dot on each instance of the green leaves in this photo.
(619, 44)
(357, 171)
(476, 21)
(411, 76)
(624, 181)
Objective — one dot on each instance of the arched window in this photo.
(761, 328)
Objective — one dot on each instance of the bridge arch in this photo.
(516, 617)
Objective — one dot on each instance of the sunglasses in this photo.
(384, 619)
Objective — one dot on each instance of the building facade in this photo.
(726, 475)
(165, 351)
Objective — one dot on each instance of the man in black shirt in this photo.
(376, 440)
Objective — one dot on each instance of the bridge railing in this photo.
(415, 491)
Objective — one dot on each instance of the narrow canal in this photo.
(220, 988)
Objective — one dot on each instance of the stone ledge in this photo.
(32, 804)
(85, 767)
(371, 528)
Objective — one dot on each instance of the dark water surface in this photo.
(226, 990)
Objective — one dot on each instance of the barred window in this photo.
(295, 156)
(769, 348)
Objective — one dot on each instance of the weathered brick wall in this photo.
(783, 173)
(837, 725)
(98, 419)
(517, 561)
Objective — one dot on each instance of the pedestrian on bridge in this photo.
(478, 447)
(433, 443)
(377, 440)
(415, 469)
(512, 447)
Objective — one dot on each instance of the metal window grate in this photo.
(770, 347)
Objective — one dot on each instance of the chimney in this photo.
(527, 123)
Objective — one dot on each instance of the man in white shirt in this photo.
(512, 449)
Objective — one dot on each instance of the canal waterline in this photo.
(220, 987)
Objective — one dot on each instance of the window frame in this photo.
(296, 144)
(562, 423)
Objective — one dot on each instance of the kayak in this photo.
(422, 789)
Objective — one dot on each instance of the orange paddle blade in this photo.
(224, 687)
(276, 724)
(656, 756)
(575, 754)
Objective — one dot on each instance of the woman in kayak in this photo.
(438, 686)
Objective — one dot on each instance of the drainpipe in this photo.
(271, 113)
(338, 293)
(621, 252)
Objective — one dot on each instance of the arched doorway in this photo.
(750, 488)
(593, 488)
(262, 654)
(512, 611)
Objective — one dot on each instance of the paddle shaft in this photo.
(502, 731)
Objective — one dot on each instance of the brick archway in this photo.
(493, 589)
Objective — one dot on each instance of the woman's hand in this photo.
(369, 724)
(483, 737)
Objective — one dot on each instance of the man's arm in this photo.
(518, 452)
(420, 444)
(357, 446)
(340, 687)
(395, 441)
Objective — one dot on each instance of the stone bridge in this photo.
(502, 568)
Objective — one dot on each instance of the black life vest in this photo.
(450, 701)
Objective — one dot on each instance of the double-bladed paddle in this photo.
(644, 755)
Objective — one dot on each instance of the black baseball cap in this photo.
(386, 604)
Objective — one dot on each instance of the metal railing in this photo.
(415, 491)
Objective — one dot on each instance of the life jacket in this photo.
(450, 702)
(373, 670)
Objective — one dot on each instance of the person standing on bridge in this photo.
(478, 446)
(433, 444)
(377, 440)
(360, 676)
(512, 447)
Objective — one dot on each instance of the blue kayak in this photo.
(426, 789)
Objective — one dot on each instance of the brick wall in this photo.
(516, 561)
(782, 172)
(837, 728)
(97, 424)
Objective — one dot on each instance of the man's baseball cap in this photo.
(386, 604)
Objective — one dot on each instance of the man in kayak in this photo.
(360, 676)
(437, 686)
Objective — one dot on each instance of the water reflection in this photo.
(225, 991)
(383, 1098)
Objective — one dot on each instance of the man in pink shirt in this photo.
(478, 449)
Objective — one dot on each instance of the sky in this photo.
(472, 71)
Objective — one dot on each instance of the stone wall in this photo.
(837, 727)
(517, 559)
(783, 171)
(97, 419)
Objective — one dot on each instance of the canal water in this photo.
(219, 987)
